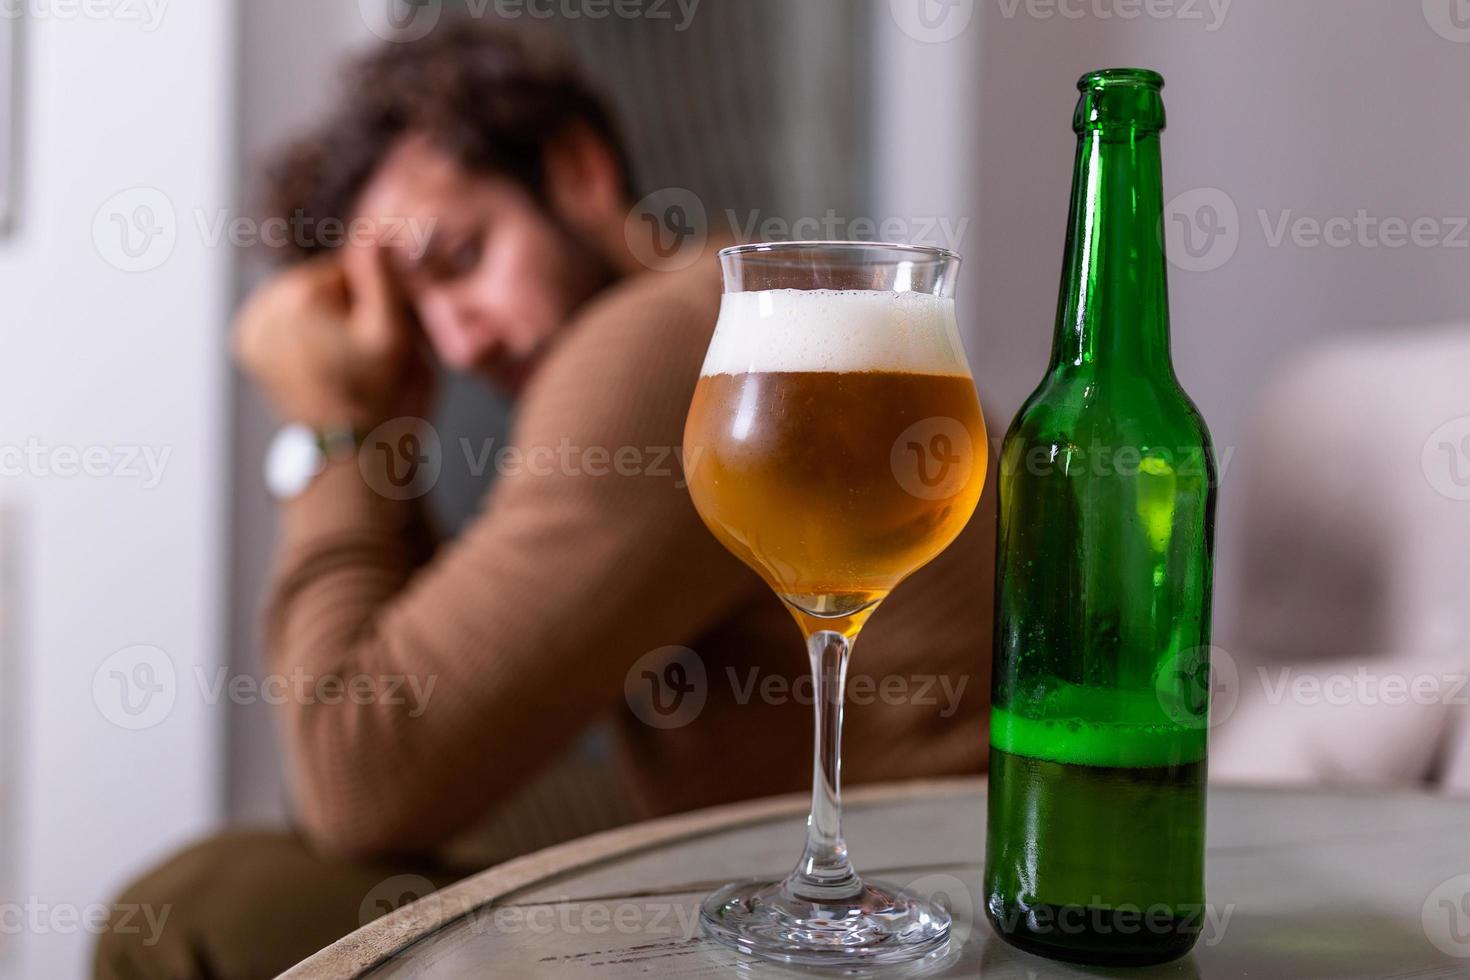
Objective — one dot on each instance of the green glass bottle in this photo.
(1095, 842)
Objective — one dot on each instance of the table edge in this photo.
(383, 938)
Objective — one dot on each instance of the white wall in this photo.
(95, 356)
(289, 55)
(1314, 108)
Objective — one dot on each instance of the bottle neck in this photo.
(1113, 314)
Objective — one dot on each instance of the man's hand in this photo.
(330, 342)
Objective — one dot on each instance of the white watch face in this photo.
(294, 457)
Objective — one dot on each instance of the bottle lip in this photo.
(1116, 77)
(841, 248)
(1120, 100)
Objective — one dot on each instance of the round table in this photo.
(1329, 884)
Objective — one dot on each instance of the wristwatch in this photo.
(298, 453)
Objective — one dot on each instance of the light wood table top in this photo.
(1301, 884)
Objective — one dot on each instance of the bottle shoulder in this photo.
(1074, 407)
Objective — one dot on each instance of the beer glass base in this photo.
(879, 926)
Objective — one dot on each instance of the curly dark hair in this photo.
(491, 98)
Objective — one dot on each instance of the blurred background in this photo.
(1315, 164)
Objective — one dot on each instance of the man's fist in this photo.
(331, 343)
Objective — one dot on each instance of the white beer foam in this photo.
(835, 330)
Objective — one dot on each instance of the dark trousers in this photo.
(248, 905)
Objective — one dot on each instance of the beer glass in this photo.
(836, 445)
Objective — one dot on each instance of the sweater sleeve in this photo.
(425, 694)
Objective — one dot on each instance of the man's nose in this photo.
(475, 348)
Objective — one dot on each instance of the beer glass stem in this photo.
(824, 873)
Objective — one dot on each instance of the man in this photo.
(579, 573)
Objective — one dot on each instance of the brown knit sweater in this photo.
(587, 557)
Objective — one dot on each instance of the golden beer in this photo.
(835, 485)
(844, 485)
